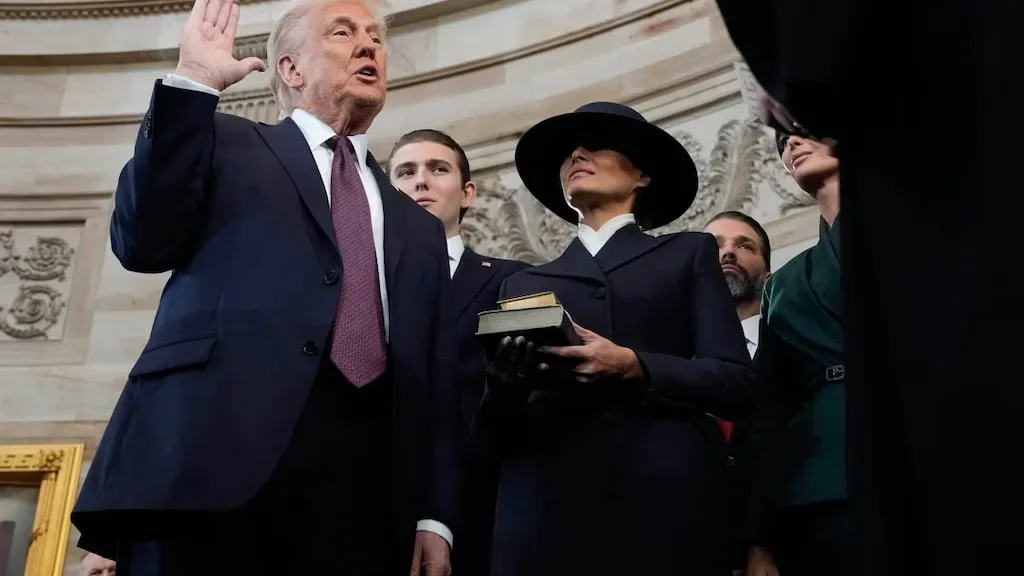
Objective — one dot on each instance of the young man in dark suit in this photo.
(432, 169)
(614, 466)
(297, 391)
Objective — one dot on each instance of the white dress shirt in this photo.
(456, 248)
(317, 133)
(750, 330)
(594, 240)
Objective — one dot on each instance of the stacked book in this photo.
(540, 318)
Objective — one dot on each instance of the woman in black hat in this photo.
(617, 468)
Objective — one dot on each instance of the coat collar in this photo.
(473, 273)
(287, 141)
(626, 245)
(289, 144)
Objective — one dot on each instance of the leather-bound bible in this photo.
(538, 317)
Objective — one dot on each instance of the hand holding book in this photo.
(537, 324)
(513, 366)
(597, 357)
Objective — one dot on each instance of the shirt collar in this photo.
(456, 247)
(316, 133)
(594, 240)
(750, 327)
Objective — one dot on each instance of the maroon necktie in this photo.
(357, 341)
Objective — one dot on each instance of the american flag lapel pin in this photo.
(485, 264)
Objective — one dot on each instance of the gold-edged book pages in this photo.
(539, 300)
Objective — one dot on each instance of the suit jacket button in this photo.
(730, 461)
(309, 348)
(599, 293)
(331, 277)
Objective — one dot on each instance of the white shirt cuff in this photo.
(175, 81)
(437, 528)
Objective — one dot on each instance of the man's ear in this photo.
(468, 194)
(642, 183)
(289, 73)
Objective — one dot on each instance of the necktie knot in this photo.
(336, 141)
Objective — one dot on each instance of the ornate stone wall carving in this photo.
(96, 9)
(255, 105)
(738, 167)
(35, 274)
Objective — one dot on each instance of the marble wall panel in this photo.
(50, 256)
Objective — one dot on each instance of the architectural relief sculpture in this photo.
(255, 105)
(81, 10)
(35, 305)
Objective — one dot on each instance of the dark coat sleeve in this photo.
(719, 378)
(500, 423)
(446, 465)
(161, 190)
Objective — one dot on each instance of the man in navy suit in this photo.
(431, 167)
(297, 393)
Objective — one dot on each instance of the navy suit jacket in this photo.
(476, 284)
(238, 212)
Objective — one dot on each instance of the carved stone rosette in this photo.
(37, 273)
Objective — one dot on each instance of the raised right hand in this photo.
(205, 54)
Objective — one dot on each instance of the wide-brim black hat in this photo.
(609, 126)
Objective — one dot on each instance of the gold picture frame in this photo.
(55, 470)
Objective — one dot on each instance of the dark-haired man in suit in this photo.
(431, 167)
(744, 252)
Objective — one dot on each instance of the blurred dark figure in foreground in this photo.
(919, 98)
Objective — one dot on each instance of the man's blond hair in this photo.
(290, 31)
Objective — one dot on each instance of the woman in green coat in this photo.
(800, 521)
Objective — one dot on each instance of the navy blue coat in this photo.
(620, 477)
(476, 283)
(238, 212)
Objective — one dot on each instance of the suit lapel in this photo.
(394, 222)
(575, 262)
(627, 245)
(470, 278)
(288, 144)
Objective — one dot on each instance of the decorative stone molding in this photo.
(250, 46)
(100, 9)
(38, 305)
(50, 253)
(131, 8)
(36, 308)
(255, 46)
(255, 105)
